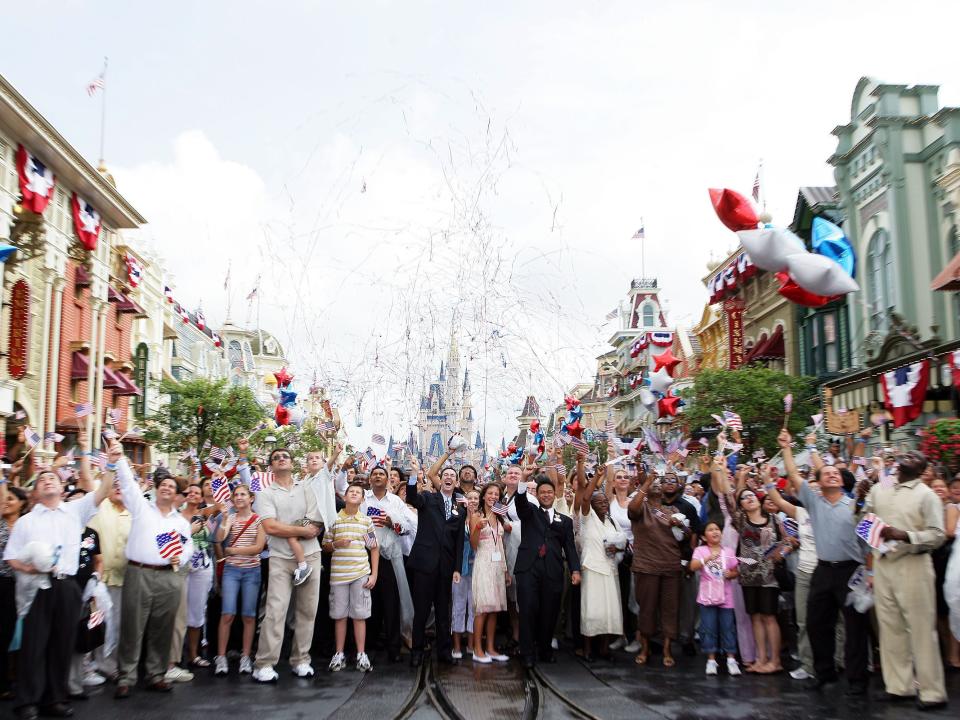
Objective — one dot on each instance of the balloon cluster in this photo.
(807, 278)
(286, 411)
(513, 454)
(572, 424)
(660, 399)
(539, 442)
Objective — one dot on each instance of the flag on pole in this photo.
(579, 444)
(221, 490)
(98, 83)
(53, 437)
(326, 426)
(756, 187)
(499, 508)
(639, 234)
(611, 432)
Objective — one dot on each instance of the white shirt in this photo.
(324, 487)
(60, 527)
(522, 490)
(390, 504)
(148, 523)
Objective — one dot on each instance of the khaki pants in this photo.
(907, 615)
(151, 599)
(179, 627)
(801, 593)
(280, 590)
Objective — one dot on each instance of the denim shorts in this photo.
(244, 582)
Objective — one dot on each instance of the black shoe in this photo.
(927, 705)
(815, 683)
(416, 658)
(26, 712)
(446, 659)
(56, 710)
(891, 698)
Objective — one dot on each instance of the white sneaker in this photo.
(178, 674)
(632, 648)
(800, 674)
(265, 675)
(711, 667)
(485, 659)
(554, 644)
(456, 655)
(337, 663)
(303, 670)
(93, 679)
(220, 666)
(363, 663)
(246, 665)
(616, 644)
(732, 667)
(500, 658)
(300, 575)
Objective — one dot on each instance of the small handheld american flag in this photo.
(499, 508)
(791, 528)
(374, 511)
(169, 544)
(81, 410)
(260, 481)
(378, 439)
(732, 420)
(221, 490)
(869, 530)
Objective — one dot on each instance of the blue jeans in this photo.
(718, 629)
(244, 582)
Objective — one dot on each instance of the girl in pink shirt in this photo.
(718, 572)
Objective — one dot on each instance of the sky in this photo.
(386, 171)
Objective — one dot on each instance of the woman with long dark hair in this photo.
(490, 576)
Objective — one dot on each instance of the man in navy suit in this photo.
(433, 557)
(546, 541)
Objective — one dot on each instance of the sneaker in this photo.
(93, 678)
(485, 659)
(303, 670)
(555, 644)
(616, 644)
(633, 648)
(178, 674)
(220, 666)
(246, 665)
(300, 576)
(363, 663)
(456, 655)
(499, 658)
(800, 674)
(732, 667)
(265, 675)
(337, 663)
(711, 667)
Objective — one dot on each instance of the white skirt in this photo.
(600, 611)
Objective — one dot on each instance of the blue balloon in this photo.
(829, 240)
(6, 251)
(287, 397)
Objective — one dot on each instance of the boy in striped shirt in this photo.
(352, 575)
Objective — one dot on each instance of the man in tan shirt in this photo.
(903, 583)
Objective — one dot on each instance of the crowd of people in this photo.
(753, 564)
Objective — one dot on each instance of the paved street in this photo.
(616, 690)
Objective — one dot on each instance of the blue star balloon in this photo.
(829, 240)
(6, 251)
(287, 398)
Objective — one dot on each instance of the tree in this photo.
(756, 395)
(201, 410)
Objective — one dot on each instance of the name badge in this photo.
(496, 556)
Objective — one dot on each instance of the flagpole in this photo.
(103, 109)
(763, 183)
(643, 259)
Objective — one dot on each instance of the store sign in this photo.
(18, 355)
(734, 310)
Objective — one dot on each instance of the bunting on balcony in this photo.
(86, 222)
(36, 181)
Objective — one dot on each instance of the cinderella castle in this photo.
(446, 408)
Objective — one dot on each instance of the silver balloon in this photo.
(647, 399)
(661, 381)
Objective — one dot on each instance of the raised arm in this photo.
(633, 509)
(433, 474)
(782, 504)
(816, 462)
(789, 463)
(585, 486)
(86, 475)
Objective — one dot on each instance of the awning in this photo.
(949, 278)
(772, 349)
(110, 380)
(128, 387)
(113, 295)
(81, 278)
(126, 305)
(79, 365)
(753, 351)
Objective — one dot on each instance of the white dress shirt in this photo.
(59, 527)
(147, 522)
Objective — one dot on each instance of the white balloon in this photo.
(661, 381)
(647, 399)
(819, 274)
(457, 442)
(769, 248)
(297, 416)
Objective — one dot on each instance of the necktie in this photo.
(446, 506)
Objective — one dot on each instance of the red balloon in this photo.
(666, 360)
(283, 378)
(734, 210)
(281, 415)
(535, 427)
(796, 294)
(668, 405)
(575, 429)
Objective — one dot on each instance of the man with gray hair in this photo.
(903, 582)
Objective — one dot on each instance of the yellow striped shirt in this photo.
(349, 563)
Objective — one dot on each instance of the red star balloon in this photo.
(668, 405)
(281, 415)
(796, 294)
(283, 378)
(666, 360)
(575, 428)
(733, 209)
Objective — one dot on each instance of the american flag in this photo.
(368, 454)
(732, 420)
(613, 313)
(252, 295)
(96, 84)
(134, 270)
(756, 187)
(216, 455)
(53, 437)
(96, 618)
(579, 444)
(869, 529)
(221, 490)
(168, 293)
(113, 416)
(788, 403)
(705, 442)
(378, 439)
(260, 481)
(99, 460)
(169, 544)
(499, 508)
(326, 426)
(791, 528)
(31, 436)
(639, 234)
(377, 512)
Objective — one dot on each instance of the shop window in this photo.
(881, 296)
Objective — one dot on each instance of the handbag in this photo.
(89, 638)
(222, 562)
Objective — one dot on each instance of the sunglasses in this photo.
(282, 456)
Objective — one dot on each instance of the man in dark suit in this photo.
(546, 541)
(433, 558)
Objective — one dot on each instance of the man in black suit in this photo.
(546, 540)
(433, 557)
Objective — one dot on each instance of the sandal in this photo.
(200, 662)
(641, 659)
(668, 661)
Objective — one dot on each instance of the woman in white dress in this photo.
(488, 526)
(620, 492)
(600, 612)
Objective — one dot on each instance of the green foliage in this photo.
(201, 410)
(756, 394)
(299, 441)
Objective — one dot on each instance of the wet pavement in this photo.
(618, 690)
